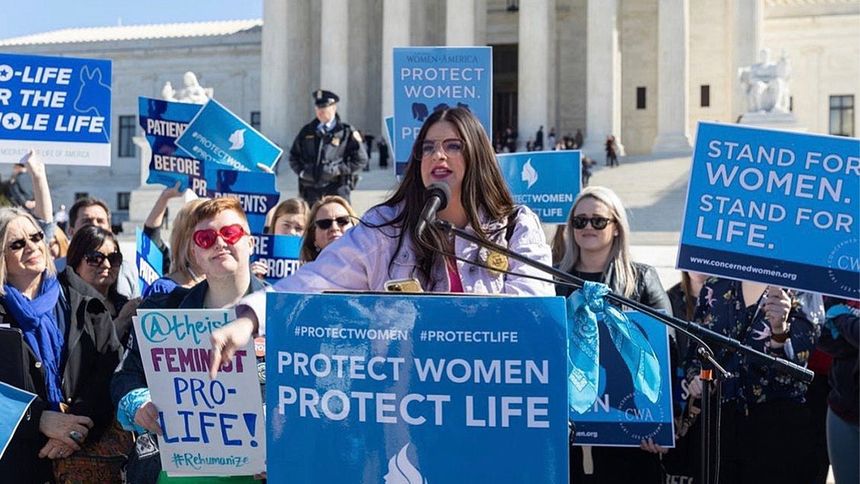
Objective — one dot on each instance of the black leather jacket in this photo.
(648, 291)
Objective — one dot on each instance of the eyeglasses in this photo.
(451, 147)
(21, 243)
(597, 223)
(230, 233)
(96, 258)
(325, 223)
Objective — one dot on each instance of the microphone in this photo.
(436, 198)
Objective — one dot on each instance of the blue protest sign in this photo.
(216, 135)
(468, 389)
(430, 78)
(162, 123)
(774, 207)
(150, 261)
(59, 106)
(209, 427)
(255, 190)
(13, 405)
(280, 254)
(623, 416)
(545, 181)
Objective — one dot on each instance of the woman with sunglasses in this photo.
(597, 249)
(332, 216)
(71, 349)
(451, 148)
(221, 247)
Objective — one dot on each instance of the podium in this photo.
(416, 388)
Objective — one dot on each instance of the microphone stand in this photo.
(711, 372)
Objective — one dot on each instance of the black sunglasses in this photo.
(325, 223)
(96, 259)
(21, 243)
(598, 223)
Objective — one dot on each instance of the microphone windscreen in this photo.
(441, 190)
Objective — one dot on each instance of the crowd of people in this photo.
(94, 420)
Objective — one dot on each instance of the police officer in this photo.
(327, 154)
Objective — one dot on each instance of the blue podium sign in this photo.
(280, 253)
(545, 181)
(774, 207)
(430, 78)
(59, 106)
(216, 135)
(432, 388)
(162, 123)
(623, 416)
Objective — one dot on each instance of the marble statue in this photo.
(765, 84)
(191, 92)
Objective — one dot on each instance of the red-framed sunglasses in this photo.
(230, 233)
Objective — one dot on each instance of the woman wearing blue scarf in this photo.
(70, 353)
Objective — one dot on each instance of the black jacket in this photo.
(91, 353)
(330, 159)
(844, 376)
(648, 291)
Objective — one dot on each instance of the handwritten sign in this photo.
(210, 427)
(774, 207)
(59, 106)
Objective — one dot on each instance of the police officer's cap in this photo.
(323, 98)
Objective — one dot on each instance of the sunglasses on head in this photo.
(597, 223)
(96, 258)
(230, 233)
(325, 223)
(21, 243)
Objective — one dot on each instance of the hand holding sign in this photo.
(777, 304)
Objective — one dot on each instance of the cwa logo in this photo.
(237, 139)
(529, 174)
(402, 471)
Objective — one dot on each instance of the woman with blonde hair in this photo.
(597, 249)
(184, 272)
(329, 219)
(290, 217)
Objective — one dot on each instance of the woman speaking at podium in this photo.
(451, 148)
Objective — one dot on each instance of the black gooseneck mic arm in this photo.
(711, 373)
(694, 330)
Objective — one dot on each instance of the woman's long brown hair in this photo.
(483, 188)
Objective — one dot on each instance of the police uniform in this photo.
(326, 160)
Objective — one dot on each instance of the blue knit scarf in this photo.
(37, 320)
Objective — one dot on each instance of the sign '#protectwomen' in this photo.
(413, 385)
(545, 181)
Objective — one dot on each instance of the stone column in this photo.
(603, 78)
(534, 70)
(395, 33)
(460, 22)
(273, 79)
(746, 32)
(334, 51)
(673, 74)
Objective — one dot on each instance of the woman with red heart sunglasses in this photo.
(220, 247)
